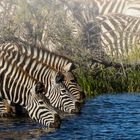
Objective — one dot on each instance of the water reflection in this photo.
(21, 128)
(107, 117)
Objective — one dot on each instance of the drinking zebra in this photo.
(27, 94)
(56, 91)
(59, 63)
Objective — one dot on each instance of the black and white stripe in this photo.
(27, 94)
(71, 83)
(59, 63)
(118, 6)
(84, 11)
(56, 91)
(117, 35)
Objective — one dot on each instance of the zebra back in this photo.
(58, 62)
(111, 6)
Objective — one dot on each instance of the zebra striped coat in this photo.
(114, 35)
(59, 63)
(27, 93)
(85, 11)
(118, 6)
(56, 91)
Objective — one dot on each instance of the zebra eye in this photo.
(59, 77)
(73, 81)
(41, 102)
(63, 91)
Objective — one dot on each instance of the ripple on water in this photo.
(106, 117)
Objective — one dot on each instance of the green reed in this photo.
(109, 80)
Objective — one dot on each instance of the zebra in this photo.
(26, 94)
(71, 83)
(85, 11)
(118, 35)
(56, 91)
(59, 63)
(117, 6)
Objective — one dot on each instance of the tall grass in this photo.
(109, 81)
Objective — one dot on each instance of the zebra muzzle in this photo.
(82, 96)
(77, 108)
(57, 122)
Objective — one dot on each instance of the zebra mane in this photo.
(69, 64)
(19, 41)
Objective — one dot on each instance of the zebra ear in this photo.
(39, 88)
(69, 67)
(59, 77)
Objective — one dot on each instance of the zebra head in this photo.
(71, 83)
(60, 97)
(40, 109)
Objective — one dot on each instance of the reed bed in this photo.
(109, 81)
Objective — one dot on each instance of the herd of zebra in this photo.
(110, 28)
(40, 81)
(113, 36)
(44, 83)
(115, 32)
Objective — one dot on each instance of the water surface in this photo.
(106, 117)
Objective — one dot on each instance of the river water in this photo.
(106, 117)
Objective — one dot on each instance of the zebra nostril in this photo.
(75, 111)
(57, 118)
(57, 122)
(77, 104)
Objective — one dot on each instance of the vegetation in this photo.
(109, 81)
(114, 78)
(57, 25)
